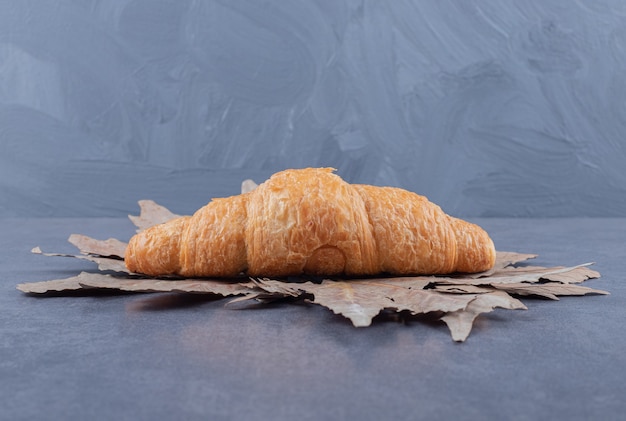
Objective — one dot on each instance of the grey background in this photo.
(489, 108)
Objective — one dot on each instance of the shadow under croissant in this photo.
(169, 301)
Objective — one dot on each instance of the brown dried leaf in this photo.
(508, 258)
(503, 259)
(278, 288)
(59, 285)
(361, 301)
(549, 290)
(342, 298)
(151, 214)
(105, 248)
(104, 263)
(460, 322)
(267, 290)
(462, 289)
(575, 276)
(521, 274)
(247, 186)
(408, 282)
(196, 286)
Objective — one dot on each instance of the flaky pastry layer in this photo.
(310, 221)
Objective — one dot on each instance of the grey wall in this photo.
(506, 108)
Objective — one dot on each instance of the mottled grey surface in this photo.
(174, 357)
(505, 108)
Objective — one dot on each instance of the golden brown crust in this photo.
(214, 239)
(156, 250)
(301, 217)
(311, 221)
(412, 234)
(475, 250)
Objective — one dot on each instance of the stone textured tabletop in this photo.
(168, 356)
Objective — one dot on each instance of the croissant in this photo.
(310, 221)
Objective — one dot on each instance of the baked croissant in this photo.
(310, 221)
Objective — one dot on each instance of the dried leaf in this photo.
(408, 282)
(361, 301)
(460, 322)
(272, 287)
(151, 214)
(575, 276)
(503, 259)
(247, 186)
(462, 289)
(549, 290)
(266, 290)
(104, 263)
(105, 248)
(59, 285)
(517, 275)
(196, 286)
(508, 258)
(342, 298)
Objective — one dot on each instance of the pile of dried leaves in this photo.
(457, 300)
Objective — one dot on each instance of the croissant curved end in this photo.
(156, 250)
